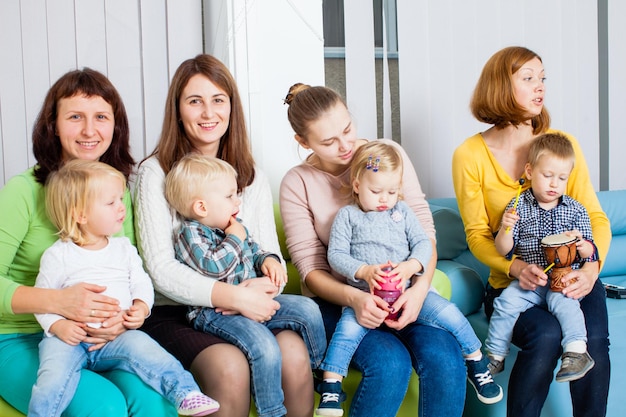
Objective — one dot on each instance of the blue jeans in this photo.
(385, 358)
(538, 334)
(258, 343)
(132, 351)
(436, 312)
(514, 301)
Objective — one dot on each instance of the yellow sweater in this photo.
(483, 189)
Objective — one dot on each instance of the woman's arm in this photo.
(154, 226)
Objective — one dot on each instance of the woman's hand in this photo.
(585, 280)
(410, 302)
(530, 276)
(84, 303)
(370, 310)
(254, 300)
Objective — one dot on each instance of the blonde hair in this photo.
(551, 144)
(71, 190)
(374, 155)
(188, 178)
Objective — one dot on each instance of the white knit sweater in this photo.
(155, 223)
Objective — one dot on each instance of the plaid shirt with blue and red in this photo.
(217, 255)
(536, 223)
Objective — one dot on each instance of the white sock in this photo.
(331, 380)
(577, 346)
(496, 357)
(474, 358)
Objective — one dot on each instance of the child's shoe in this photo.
(574, 366)
(331, 398)
(197, 404)
(479, 376)
(495, 366)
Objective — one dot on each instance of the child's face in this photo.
(378, 191)
(106, 213)
(549, 178)
(221, 201)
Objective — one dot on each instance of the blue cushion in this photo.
(450, 232)
(612, 203)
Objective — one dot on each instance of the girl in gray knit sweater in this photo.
(380, 231)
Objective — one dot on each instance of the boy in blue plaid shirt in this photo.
(212, 241)
(541, 211)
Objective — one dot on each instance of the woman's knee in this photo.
(222, 362)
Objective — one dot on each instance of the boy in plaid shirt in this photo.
(541, 211)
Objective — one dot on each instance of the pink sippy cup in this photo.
(389, 292)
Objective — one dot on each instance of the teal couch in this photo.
(468, 278)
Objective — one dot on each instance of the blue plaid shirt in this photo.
(536, 223)
(217, 255)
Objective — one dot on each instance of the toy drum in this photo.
(559, 249)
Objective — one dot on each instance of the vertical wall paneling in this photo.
(91, 42)
(155, 71)
(360, 69)
(124, 67)
(137, 44)
(184, 30)
(12, 104)
(34, 49)
(62, 43)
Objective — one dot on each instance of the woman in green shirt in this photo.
(82, 117)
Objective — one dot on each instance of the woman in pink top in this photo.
(310, 196)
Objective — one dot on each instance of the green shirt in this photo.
(25, 233)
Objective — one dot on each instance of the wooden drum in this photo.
(559, 249)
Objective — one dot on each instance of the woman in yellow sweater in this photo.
(486, 171)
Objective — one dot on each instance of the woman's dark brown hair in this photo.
(234, 145)
(494, 101)
(46, 144)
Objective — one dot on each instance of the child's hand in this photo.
(372, 274)
(136, 315)
(404, 271)
(69, 331)
(509, 218)
(274, 271)
(236, 228)
(584, 247)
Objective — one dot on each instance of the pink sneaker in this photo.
(197, 404)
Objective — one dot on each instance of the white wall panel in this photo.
(617, 94)
(447, 44)
(12, 104)
(360, 70)
(156, 72)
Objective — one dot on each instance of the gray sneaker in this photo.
(495, 366)
(574, 366)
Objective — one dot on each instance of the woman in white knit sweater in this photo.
(203, 113)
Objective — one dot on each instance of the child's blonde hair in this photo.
(71, 190)
(188, 178)
(553, 144)
(374, 156)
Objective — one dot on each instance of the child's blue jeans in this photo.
(258, 343)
